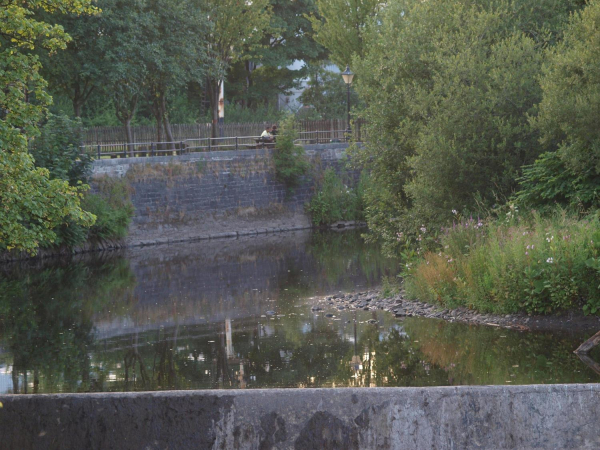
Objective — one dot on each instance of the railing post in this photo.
(236, 143)
(181, 148)
(99, 151)
(209, 143)
(152, 149)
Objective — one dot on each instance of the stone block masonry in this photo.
(206, 194)
(464, 417)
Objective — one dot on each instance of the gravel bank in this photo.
(402, 307)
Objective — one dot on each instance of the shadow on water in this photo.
(236, 314)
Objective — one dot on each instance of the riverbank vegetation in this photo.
(339, 198)
(478, 109)
(534, 264)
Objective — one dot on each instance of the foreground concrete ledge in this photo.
(489, 417)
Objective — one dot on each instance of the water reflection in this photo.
(236, 314)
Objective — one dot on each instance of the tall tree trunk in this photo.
(125, 110)
(250, 66)
(157, 111)
(165, 117)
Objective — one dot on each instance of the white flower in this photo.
(423, 229)
(455, 212)
(550, 260)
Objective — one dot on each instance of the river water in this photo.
(237, 314)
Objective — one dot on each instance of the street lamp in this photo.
(347, 75)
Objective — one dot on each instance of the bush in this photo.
(539, 265)
(57, 149)
(113, 210)
(336, 201)
(550, 182)
(290, 161)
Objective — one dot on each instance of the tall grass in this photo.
(535, 265)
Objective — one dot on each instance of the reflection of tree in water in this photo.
(46, 320)
(344, 255)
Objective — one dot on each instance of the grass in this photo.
(536, 265)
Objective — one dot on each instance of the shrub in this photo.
(336, 201)
(549, 181)
(57, 149)
(290, 161)
(113, 209)
(539, 265)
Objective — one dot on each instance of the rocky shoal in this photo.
(402, 307)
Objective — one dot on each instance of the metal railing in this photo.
(128, 150)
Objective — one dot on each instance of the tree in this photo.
(570, 109)
(237, 29)
(340, 27)
(32, 205)
(450, 87)
(327, 93)
(173, 51)
(77, 70)
(287, 39)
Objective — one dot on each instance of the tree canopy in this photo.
(32, 204)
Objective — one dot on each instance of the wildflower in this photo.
(550, 260)
(423, 229)
(526, 253)
(549, 239)
(446, 246)
(525, 233)
(455, 212)
(450, 260)
(567, 237)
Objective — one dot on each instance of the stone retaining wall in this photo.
(176, 191)
(486, 417)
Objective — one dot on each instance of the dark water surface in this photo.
(236, 314)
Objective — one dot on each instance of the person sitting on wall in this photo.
(266, 135)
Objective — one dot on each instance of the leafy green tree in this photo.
(32, 205)
(568, 118)
(450, 88)
(237, 30)
(174, 51)
(77, 71)
(340, 27)
(327, 93)
(288, 39)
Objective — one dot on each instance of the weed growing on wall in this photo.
(536, 265)
(113, 210)
(336, 201)
(291, 163)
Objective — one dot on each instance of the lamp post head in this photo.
(347, 75)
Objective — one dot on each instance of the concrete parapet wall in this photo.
(488, 417)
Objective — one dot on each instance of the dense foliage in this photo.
(540, 265)
(450, 88)
(32, 204)
(290, 160)
(568, 120)
(335, 201)
(57, 150)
